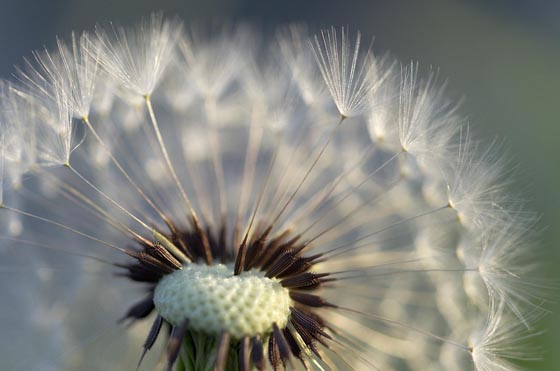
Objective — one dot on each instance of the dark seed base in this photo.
(280, 256)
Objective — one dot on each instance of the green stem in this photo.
(198, 353)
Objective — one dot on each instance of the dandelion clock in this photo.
(223, 202)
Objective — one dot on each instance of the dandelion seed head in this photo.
(265, 228)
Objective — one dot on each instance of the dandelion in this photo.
(266, 224)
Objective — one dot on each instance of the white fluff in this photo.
(351, 77)
(415, 220)
(70, 71)
(138, 57)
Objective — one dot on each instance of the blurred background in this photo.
(501, 56)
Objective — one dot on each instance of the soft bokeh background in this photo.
(502, 56)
